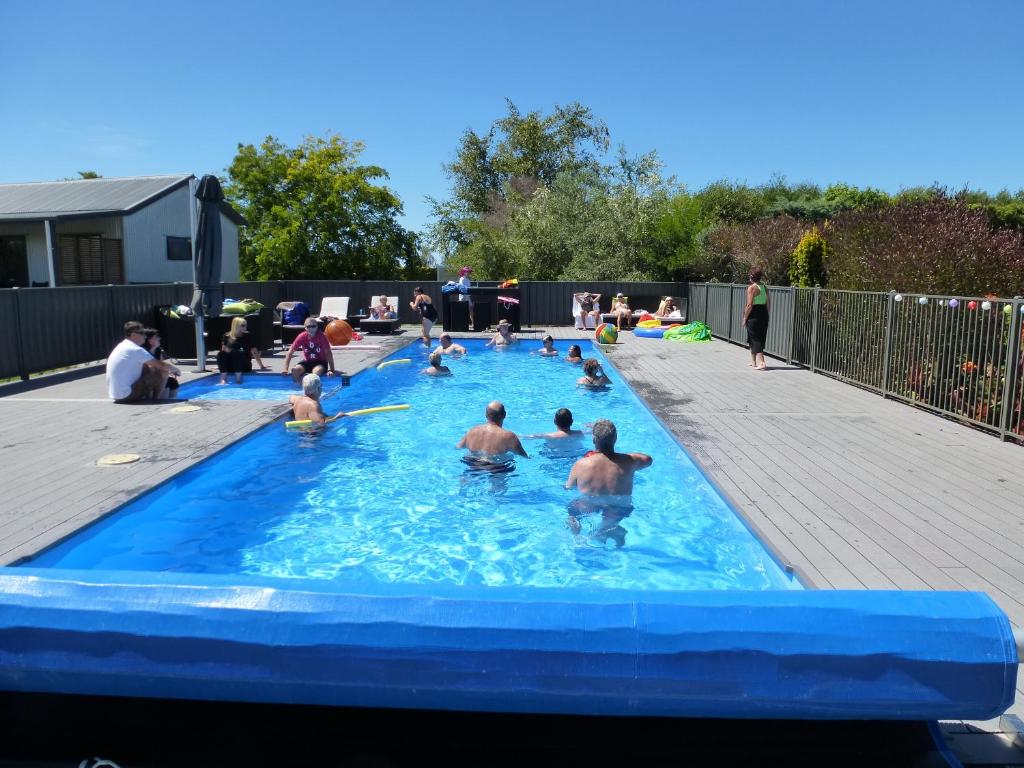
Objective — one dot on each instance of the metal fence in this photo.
(960, 357)
(42, 329)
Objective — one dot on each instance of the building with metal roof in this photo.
(99, 231)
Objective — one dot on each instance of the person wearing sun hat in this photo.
(464, 290)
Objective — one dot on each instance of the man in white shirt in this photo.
(133, 374)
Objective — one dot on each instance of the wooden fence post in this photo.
(792, 323)
(19, 342)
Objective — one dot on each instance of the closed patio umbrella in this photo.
(207, 297)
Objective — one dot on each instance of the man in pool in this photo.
(448, 347)
(605, 478)
(563, 420)
(490, 444)
(307, 405)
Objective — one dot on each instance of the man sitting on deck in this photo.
(605, 478)
(133, 374)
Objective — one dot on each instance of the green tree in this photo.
(495, 173)
(313, 212)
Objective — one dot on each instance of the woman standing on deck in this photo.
(428, 313)
(755, 317)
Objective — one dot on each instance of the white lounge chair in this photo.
(334, 306)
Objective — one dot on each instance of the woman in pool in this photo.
(422, 304)
(575, 355)
(436, 369)
(504, 337)
(593, 375)
(548, 350)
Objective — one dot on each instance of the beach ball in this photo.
(606, 333)
(338, 332)
(986, 305)
(953, 303)
(972, 304)
(898, 297)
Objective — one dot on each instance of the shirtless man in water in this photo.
(491, 439)
(307, 405)
(605, 478)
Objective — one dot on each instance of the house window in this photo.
(13, 262)
(179, 249)
(90, 260)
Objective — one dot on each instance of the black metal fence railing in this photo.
(961, 357)
(50, 328)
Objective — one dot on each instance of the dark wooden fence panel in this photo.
(46, 328)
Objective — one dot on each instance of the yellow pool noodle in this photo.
(386, 363)
(301, 424)
(379, 409)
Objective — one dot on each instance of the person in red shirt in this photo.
(316, 352)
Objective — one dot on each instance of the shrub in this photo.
(729, 252)
(807, 264)
(934, 244)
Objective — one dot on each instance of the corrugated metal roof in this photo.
(57, 199)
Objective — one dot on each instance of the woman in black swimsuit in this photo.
(421, 303)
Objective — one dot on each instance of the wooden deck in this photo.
(855, 491)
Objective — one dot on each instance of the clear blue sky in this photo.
(887, 94)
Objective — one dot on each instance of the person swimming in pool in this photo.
(593, 375)
(575, 355)
(489, 445)
(604, 477)
(435, 368)
(548, 350)
(448, 347)
(307, 405)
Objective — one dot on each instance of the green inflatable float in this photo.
(695, 331)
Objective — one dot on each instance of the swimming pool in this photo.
(449, 602)
(386, 498)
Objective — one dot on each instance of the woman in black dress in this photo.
(235, 355)
(428, 313)
(755, 318)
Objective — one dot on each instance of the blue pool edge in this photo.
(736, 654)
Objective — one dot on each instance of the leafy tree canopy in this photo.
(314, 212)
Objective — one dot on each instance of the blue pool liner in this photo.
(738, 654)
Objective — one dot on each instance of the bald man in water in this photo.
(490, 438)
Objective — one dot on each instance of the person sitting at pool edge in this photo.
(548, 350)
(593, 375)
(436, 369)
(316, 351)
(575, 354)
(605, 478)
(491, 438)
(448, 347)
(307, 405)
(133, 374)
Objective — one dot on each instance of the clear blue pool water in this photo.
(254, 386)
(385, 498)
